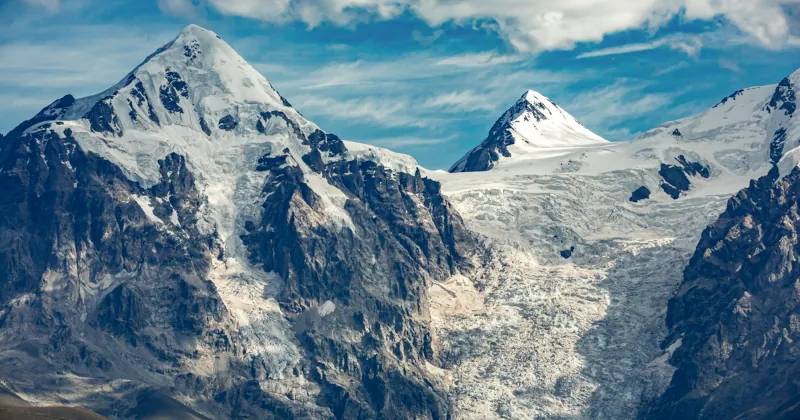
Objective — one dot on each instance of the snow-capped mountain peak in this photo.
(196, 96)
(532, 126)
(195, 81)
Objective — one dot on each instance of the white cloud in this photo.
(462, 101)
(408, 141)
(93, 57)
(51, 5)
(179, 8)
(673, 68)
(426, 40)
(729, 65)
(603, 109)
(481, 59)
(690, 45)
(532, 25)
(387, 112)
(622, 49)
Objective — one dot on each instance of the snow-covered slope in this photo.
(586, 244)
(395, 161)
(534, 127)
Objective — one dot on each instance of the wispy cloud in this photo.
(187, 9)
(481, 59)
(426, 40)
(91, 59)
(50, 5)
(409, 141)
(729, 65)
(388, 112)
(457, 102)
(673, 68)
(690, 45)
(603, 109)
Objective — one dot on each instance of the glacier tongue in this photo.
(565, 338)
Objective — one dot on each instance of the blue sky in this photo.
(427, 78)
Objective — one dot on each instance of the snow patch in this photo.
(147, 207)
(326, 309)
(397, 162)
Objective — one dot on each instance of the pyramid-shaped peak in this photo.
(198, 39)
(210, 68)
(534, 96)
(195, 81)
(532, 127)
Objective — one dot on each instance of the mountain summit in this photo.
(533, 125)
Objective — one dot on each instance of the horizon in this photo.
(429, 90)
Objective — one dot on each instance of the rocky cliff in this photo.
(735, 321)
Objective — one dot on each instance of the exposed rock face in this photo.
(731, 97)
(78, 244)
(51, 112)
(369, 353)
(103, 118)
(784, 99)
(675, 179)
(777, 145)
(567, 253)
(228, 123)
(641, 193)
(736, 318)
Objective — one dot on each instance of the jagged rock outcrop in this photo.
(675, 179)
(734, 324)
(370, 352)
(641, 193)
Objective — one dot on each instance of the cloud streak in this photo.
(604, 109)
(409, 141)
(689, 45)
(50, 5)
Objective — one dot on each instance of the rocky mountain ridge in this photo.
(187, 239)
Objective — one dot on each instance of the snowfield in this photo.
(556, 338)
(538, 335)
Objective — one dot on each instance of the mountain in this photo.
(534, 126)
(733, 324)
(573, 312)
(733, 321)
(722, 148)
(186, 244)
